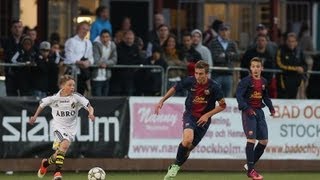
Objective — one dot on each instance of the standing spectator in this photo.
(102, 22)
(189, 53)
(150, 82)
(268, 62)
(10, 47)
(224, 53)
(291, 60)
(104, 55)
(153, 35)
(272, 47)
(32, 33)
(163, 31)
(44, 69)
(124, 27)
(203, 50)
(306, 45)
(27, 55)
(54, 68)
(212, 32)
(171, 57)
(122, 82)
(78, 51)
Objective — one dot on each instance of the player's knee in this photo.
(64, 145)
(251, 141)
(264, 142)
(187, 143)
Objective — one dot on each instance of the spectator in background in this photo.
(291, 60)
(163, 31)
(306, 45)
(101, 22)
(268, 62)
(124, 27)
(78, 51)
(150, 83)
(10, 46)
(272, 47)
(203, 50)
(189, 53)
(32, 33)
(55, 68)
(122, 81)
(25, 54)
(41, 73)
(104, 55)
(212, 32)
(171, 57)
(224, 52)
(153, 35)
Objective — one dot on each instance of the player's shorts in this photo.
(61, 134)
(190, 122)
(255, 126)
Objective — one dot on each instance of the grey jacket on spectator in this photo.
(98, 59)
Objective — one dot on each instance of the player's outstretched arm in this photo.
(91, 113)
(34, 117)
(170, 92)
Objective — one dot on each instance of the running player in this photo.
(65, 106)
(199, 108)
(251, 91)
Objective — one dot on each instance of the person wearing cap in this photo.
(272, 47)
(224, 53)
(42, 71)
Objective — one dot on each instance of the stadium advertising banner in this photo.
(293, 132)
(106, 137)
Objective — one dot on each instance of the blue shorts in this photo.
(255, 126)
(190, 122)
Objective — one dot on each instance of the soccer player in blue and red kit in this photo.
(251, 91)
(203, 93)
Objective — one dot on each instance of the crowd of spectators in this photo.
(90, 59)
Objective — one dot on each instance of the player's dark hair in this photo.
(65, 78)
(256, 59)
(202, 65)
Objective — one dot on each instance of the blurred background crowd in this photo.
(114, 49)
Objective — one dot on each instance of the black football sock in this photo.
(250, 155)
(59, 161)
(182, 155)
(258, 151)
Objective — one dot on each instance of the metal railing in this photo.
(164, 73)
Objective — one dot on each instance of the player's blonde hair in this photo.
(256, 59)
(65, 78)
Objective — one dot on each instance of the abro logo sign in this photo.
(41, 130)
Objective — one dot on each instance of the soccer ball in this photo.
(96, 173)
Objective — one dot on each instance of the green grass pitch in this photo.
(159, 175)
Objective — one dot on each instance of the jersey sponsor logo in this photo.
(64, 101)
(17, 129)
(65, 113)
(199, 100)
(256, 95)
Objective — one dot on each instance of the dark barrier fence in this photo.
(108, 137)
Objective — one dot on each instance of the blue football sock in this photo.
(250, 155)
(258, 151)
(182, 155)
